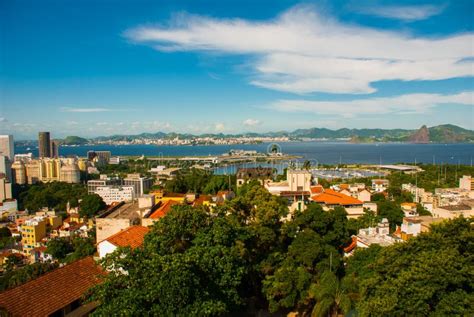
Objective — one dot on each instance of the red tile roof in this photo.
(53, 290)
(131, 237)
(164, 209)
(352, 245)
(317, 189)
(331, 197)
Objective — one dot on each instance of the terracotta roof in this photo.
(352, 245)
(331, 197)
(408, 204)
(53, 290)
(131, 237)
(201, 199)
(163, 209)
(317, 189)
(344, 186)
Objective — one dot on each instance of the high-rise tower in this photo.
(44, 144)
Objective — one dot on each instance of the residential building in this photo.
(32, 232)
(115, 160)
(379, 235)
(162, 196)
(44, 144)
(132, 237)
(112, 194)
(413, 226)
(141, 184)
(380, 185)
(330, 199)
(464, 208)
(19, 173)
(262, 174)
(7, 146)
(409, 209)
(56, 293)
(33, 172)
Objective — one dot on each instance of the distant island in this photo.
(446, 133)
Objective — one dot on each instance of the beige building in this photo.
(5, 189)
(413, 226)
(7, 146)
(466, 182)
(33, 172)
(19, 173)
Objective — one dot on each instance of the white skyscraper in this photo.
(6, 146)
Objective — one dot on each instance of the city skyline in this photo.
(233, 67)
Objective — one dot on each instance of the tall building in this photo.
(5, 188)
(55, 148)
(140, 184)
(19, 173)
(44, 144)
(104, 180)
(5, 167)
(7, 146)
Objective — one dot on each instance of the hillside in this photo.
(74, 140)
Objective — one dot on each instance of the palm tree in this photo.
(332, 296)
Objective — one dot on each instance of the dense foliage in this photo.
(242, 259)
(432, 274)
(199, 181)
(69, 250)
(53, 195)
(90, 205)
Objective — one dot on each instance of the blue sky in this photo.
(94, 68)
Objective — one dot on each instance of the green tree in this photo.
(59, 248)
(90, 205)
(332, 296)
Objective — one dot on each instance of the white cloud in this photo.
(302, 51)
(405, 13)
(404, 104)
(219, 127)
(69, 109)
(252, 122)
(3, 119)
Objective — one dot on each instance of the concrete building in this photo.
(6, 167)
(409, 209)
(413, 226)
(33, 172)
(5, 188)
(70, 173)
(262, 174)
(44, 144)
(330, 199)
(114, 194)
(464, 208)
(140, 184)
(7, 146)
(19, 173)
(380, 185)
(102, 157)
(103, 180)
(32, 232)
(466, 182)
(55, 148)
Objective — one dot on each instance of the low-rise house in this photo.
(56, 293)
(366, 237)
(464, 208)
(413, 226)
(330, 199)
(409, 209)
(39, 255)
(32, 232)
(131, 237)
(380, 185)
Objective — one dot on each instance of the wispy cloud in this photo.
(302, 51)
(404, 104)
(219, 127)
(70, 109)
(405, 13)
(251, 122)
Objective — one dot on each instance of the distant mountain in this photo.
(420, 136)
(74, 140)
(446, 133)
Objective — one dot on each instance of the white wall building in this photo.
(112, 194)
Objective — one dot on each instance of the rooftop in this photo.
(131, 237)
(52, 291)
(163, 209)
(331, 197)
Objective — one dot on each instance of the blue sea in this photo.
(318, 152)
